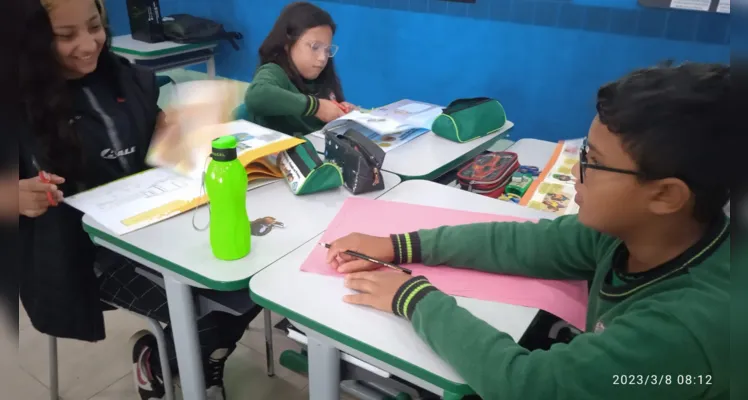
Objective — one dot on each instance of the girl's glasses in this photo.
(584, 164)
(317, 47)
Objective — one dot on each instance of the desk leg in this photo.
(211, 69)
(324, 370)
(184, 330)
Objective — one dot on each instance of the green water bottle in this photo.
(226, 184)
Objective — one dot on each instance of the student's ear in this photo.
(669, 196)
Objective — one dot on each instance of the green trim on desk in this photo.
(459, 389)
(436, 174)
(165, 52)
(187, 273)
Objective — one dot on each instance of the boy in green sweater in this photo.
(651, 235)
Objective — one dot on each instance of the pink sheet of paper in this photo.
(565, 299)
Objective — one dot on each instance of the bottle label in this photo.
(223, 154)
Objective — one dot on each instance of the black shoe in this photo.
(214, 374)
(148, 384)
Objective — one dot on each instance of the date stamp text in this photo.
(662, 379)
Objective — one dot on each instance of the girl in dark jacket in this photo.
(89, 118)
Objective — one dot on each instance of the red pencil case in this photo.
(489, 173)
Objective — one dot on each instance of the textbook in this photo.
(390, 126)
(142, 199)
(553, 191)
(200, 112)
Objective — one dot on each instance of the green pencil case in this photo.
(469, 119)
(306, 173)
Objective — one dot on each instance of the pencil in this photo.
(371, 259)
(340, 106)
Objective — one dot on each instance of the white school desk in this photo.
(314, 304)
(429, 156)
(533, 152)
(183, 256)
(167, 55)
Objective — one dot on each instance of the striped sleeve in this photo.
(312, 106)
(410, 293)
(407, 248)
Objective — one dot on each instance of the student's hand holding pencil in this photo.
(379, 248)
(37, 194)
(329, 110)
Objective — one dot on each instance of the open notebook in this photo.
(390, 126)
(154, 195)
(201, 112)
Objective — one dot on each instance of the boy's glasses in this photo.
(584, 165)
(317, 47)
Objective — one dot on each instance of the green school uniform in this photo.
(274, 102)
(662, 334)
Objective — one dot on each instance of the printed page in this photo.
(556, 192)
(392, 119)
(381, 125)
(723, 6)
(139, 200)
(200, 112)
(698, 5)
(386, 142)
(188, 155)
(555, 198)
(411, 113)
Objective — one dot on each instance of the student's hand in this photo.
(348, 106)
(328, 111)
(377, 247)
(376, 289)
(32, 195)
(167, 139)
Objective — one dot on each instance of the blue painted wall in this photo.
(543, 59)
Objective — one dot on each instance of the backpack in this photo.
(184, 28)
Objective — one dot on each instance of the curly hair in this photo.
(45, 97)
(674, 122)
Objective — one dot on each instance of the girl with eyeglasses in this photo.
(296, 90)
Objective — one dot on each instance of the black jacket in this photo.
(115, 114)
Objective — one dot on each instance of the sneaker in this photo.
(149, 385)
(214, 374)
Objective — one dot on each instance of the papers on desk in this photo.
(152, 196)
(390, 126)
(202, 111)
(143, 199)
(723, 7)
(565, 299)
(409, 113)
(553, 191)
(139, 200)
(698, 5)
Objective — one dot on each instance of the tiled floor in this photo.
(102, 371)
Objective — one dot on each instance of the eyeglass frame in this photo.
(584, 164)
(330, 52)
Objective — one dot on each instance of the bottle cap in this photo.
(224, 148)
